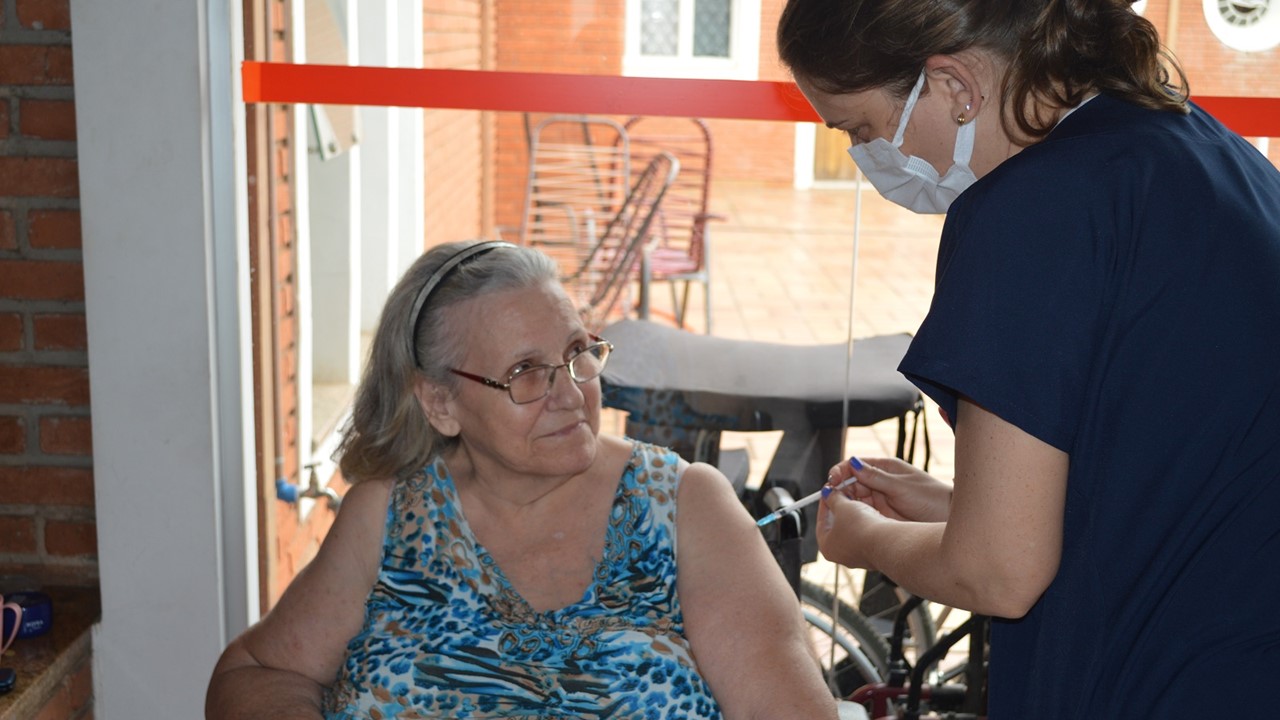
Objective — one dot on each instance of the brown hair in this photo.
(1058, 51)
(388, 435)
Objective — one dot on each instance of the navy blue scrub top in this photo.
(1114, 291)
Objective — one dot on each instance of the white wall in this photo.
(379, 166)
(391, 157)
(161, 183)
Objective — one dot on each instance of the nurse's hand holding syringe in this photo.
(812, 498)
(898, 490)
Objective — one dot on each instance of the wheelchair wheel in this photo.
(852, 653)
(879, 602)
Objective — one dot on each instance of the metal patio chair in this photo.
(578, 176)
(606, 272)
(679, 254)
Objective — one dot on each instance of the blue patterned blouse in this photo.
(446, 635)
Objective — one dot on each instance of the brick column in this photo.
(47, 524)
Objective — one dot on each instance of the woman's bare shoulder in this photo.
(706, 480)
(359, 528)
(614, 453)
(365, 493)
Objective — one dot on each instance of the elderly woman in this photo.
(498, 557)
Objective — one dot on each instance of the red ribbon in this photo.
(598, 94)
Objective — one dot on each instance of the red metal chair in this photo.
(605, 273)
(680, 249)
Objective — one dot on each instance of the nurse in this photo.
(1104, 339)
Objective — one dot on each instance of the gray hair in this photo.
(388, 435)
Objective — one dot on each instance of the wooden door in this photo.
(830, 161)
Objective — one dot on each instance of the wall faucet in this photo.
(290, 493)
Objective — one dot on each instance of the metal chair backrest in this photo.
(683, 221)
(598, 283)
(579, 172)
(680, 253)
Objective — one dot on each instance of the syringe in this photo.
(810, 499)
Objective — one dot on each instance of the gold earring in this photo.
(960, 119)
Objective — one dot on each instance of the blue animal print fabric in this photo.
(446, 635)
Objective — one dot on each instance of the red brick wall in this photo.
(1213, 68)
(47, 523)
(454, 188)
(755, 150)
(290, 540)
(297, 539)
(590, 40)
(581, 37)
(284, 311)
(455, 194)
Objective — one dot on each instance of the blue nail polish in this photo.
(855, 463)
(826, 490)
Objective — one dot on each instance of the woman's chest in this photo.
(550, 568)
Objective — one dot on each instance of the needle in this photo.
(810, 499)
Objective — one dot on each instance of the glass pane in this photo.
(659, 27)
(711, 28)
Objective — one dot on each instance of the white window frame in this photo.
(382, 231)
(743, 62)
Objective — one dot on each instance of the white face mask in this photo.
(910, 181)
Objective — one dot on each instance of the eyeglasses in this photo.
(531, 384)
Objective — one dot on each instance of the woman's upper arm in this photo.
(323, 608)
(742, 618)
(1007, 509)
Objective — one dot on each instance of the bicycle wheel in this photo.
(878, 601)
(852, 653)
